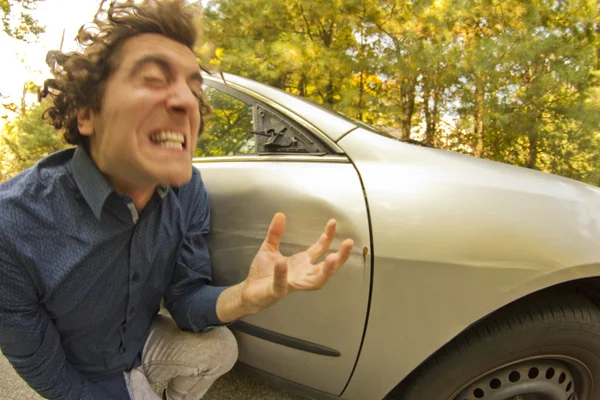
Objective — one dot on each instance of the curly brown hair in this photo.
(80, 78)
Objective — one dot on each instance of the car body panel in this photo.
(454, 239)
(245, 193)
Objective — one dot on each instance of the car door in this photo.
(255, 162)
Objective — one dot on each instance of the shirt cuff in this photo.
(204, 315)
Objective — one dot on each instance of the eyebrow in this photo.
(163, 64)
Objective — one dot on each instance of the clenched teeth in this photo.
(171, 145)
(169, 140)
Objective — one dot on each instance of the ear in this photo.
(85, 121)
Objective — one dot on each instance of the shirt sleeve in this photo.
(31, 343)
(190, 297)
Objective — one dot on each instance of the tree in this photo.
(22, 26)
(301, 46)
(399, 31)
(543, 112)
(228, 130)
(513, 81)
(25, 140)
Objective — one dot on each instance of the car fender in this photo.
(455, 238)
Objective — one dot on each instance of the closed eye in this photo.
(154, 80)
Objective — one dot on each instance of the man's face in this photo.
(146, 130)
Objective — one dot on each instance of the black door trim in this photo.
(284, 340)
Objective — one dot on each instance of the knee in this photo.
(224, 349)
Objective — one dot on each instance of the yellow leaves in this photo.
(439, 5)
(216, 58)
(206, 53)
(371, 83)
(311, 90)
(286, 53)
(17, 20)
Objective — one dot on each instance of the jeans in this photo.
(189, 362)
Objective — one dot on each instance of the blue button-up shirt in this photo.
(82, 274)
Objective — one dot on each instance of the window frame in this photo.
(257, 106)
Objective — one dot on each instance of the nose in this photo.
(181, 99)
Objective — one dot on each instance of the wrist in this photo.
(232, 305)
(246, 303)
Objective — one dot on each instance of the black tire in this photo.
(537, 338)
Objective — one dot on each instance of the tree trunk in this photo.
(407, 99)
(302, 86)
(436, 115)
(361, 93)
(431, 113)
(479, 107)
(280, 81)
(329, 88)
(533, 149)
(23, 102)
(427, 111)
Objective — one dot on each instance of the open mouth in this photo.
(169, 140)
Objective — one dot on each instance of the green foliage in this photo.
(513, 81)
(507, 80)
(228, 129)
(22, 26)
(25, 140)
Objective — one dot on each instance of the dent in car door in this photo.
(245, 193)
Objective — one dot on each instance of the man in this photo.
(92, 238)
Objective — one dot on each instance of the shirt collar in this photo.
(162, 191)
(94, 187)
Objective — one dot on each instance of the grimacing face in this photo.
(146, 130)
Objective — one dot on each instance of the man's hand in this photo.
(272, 276)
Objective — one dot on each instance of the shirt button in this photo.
(123, 350)
(131, 310)
(136, 277)
(123, 329)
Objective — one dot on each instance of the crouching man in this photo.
(93, 237)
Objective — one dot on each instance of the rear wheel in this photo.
(544, 349)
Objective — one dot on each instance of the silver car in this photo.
(469, 279)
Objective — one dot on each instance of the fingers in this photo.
(330, 266)
(333, 262)
(345, 249)
(318, 249)
(276, 230)
(280, 281)
(314, 277)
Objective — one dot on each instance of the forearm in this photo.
(32, 344)
(48, 372)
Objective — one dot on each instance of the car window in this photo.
(280, 135)
(228, 130)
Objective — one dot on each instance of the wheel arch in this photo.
(588, 287)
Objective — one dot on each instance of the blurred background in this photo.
(516, 81)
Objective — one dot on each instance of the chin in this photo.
(177, 179)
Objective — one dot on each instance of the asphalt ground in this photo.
(235, 385)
